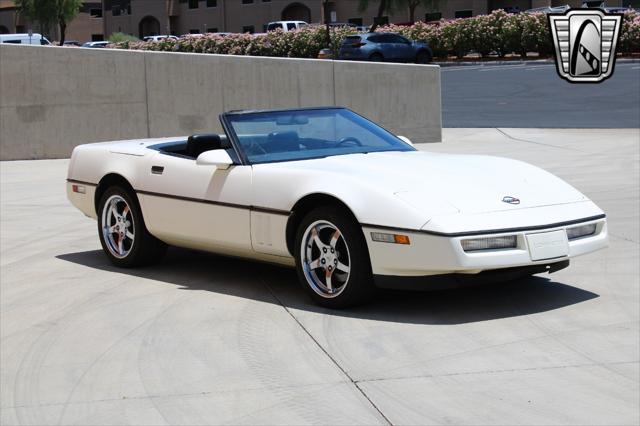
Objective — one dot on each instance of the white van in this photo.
(286, 25)
(24, 38)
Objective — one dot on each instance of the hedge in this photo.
(497, 33)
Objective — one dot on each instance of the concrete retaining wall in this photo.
(52, 99)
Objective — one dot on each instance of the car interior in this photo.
(273, 142)
(195, 145)
(288, 141)
(278, 142)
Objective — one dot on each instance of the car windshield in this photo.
(304, 134)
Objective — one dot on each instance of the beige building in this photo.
(98, 19)
(86, 26)
(153, 17)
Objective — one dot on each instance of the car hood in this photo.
(468, 183)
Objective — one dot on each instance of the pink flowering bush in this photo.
(497, 33)
(519, 34)
(303, 43)
(486, 33)
(425, 33)
(500, 33)
(630, 33)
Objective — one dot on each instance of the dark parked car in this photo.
(388, 47)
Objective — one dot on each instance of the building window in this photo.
(433, 16)
(248, 28)
(212, 3)
(194, 31)
(266, 1)
(464, 13)
(97, 37)
(120, 7)
(355, 21)
(212, 30)
(247, 1)
(383, 20)
(193, 4)
(95, 13)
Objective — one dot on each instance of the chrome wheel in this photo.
(118, 228)
(325, 259)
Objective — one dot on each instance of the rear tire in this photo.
(376, 57)
(423, 57)
(122, 232)
(332, 258)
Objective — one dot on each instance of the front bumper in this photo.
(433, 254)
(448, 281)
(352, 55)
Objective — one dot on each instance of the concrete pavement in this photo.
(203, 339)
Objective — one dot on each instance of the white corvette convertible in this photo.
(351, 205)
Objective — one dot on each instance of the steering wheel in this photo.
(349, 139)
(255, 148)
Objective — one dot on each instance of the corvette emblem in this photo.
(510, 200)
(585, 44)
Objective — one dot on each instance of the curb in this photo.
(521, 63)
(493, 63)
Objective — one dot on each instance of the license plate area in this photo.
(548, 245)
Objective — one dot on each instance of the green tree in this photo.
(66, 10)
(40, 11)
(50, 12)
(121, 38)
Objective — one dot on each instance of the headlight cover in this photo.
(581, 231)
(490, 243)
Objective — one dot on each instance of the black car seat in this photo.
(197, 144)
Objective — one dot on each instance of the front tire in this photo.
(123, 234)
(332, 259)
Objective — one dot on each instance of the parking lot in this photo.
(203, 339)
(533, 95)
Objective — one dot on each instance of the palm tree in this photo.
(429, 5)
(383, 6)
(325, 11)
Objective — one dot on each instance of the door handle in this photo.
(157, 170)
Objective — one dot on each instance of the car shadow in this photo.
(193, 270)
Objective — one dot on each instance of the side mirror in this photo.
(215, 157)
(405, 139)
